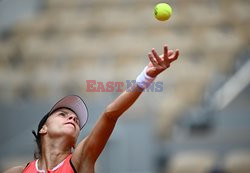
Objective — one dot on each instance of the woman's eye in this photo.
(62, 114)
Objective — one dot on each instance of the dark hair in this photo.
(38, 150)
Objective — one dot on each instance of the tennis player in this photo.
(59, 129)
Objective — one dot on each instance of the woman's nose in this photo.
(72, 117)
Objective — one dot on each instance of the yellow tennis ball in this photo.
(162, 11)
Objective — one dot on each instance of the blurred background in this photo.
(200, 123)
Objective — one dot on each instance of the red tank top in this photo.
(65, 166)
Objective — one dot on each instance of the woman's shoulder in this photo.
(16, 169)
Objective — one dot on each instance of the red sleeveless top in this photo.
(65, 166)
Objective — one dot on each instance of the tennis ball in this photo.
(162, 11)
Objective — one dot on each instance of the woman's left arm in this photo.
(91, 147)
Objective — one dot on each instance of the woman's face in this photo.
(63, 122)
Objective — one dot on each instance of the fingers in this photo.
(165, 59)
(165, 50)
(170, 52)
(151, 58)
(174, 56)
(156, 56)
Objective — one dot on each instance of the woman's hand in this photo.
(160, 63)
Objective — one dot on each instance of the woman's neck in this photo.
(53, 152)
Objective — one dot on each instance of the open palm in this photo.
(160, 63)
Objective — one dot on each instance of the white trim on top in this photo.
(55, 168)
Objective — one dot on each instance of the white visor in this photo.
(76, 104)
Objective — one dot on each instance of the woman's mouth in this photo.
(71, 124)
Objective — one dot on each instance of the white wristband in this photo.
(143, 80)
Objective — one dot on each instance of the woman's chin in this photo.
(70, 132)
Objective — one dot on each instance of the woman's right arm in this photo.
(16, 169)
